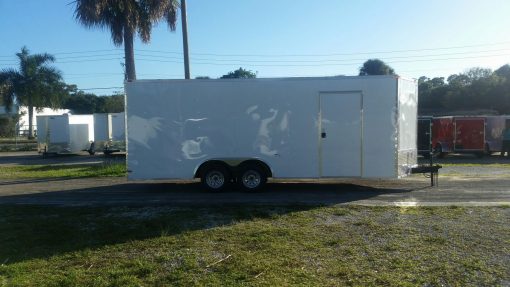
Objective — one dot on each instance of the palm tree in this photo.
(35, 84)
(124, 18)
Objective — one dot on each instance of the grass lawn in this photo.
(18, 140)
(499, 165)
(52, 171)
(254, 246)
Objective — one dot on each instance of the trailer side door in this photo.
(340, 133)
(469, 134)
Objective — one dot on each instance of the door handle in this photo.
(323, 135)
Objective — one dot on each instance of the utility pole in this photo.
(185, 39)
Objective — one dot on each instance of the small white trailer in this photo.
(64, 133)
(247, 130)
(109, 133)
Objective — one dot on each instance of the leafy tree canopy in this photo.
(80, 102)
(240, 74)
(375, 67)
(477, 90)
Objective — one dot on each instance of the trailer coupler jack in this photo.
(431, 171)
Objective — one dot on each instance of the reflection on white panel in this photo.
(192, 149)
(142, 130)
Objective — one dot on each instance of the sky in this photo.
(274, 38)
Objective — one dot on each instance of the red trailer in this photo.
(469, 135)
(443, 135)
(459, 135)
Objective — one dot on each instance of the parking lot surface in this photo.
(463, 181)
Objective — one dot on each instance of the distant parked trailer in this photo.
(459, 135)
(64, 133)
(469, 135)
(495, 125)
(110, 133)
(442, 135)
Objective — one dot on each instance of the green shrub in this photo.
(8, 126)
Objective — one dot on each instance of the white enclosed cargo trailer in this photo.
(246, 130)
(64, 133)
(109, 132)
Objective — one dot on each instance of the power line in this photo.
(91, 60)
(282, 55)
(331, 54)
(246, 62)
(334, 60)
(85, 52)
(237, 62)
(345, 62)
(324, 64)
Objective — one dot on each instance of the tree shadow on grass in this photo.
(42, 225)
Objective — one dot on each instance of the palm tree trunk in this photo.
(30, 120)
(129, 55)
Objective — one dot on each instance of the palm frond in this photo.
(126, 17)
(42, 59)
(8, 80)
(171, 15)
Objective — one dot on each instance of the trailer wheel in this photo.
(438, 150)
(215, 177)
(251, 177)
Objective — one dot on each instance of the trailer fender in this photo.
(257, 162)
(206, 164)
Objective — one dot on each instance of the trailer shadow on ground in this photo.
(142, 194)
(75, 219)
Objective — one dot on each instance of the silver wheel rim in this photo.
(251, 179)
(215, 179)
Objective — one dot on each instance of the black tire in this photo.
(215, 177)
(251, 177)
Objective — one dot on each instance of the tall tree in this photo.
(503, 71)
(375, 67)
(240, 74)
(478, 90)
(124, 18)
(35, 84)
